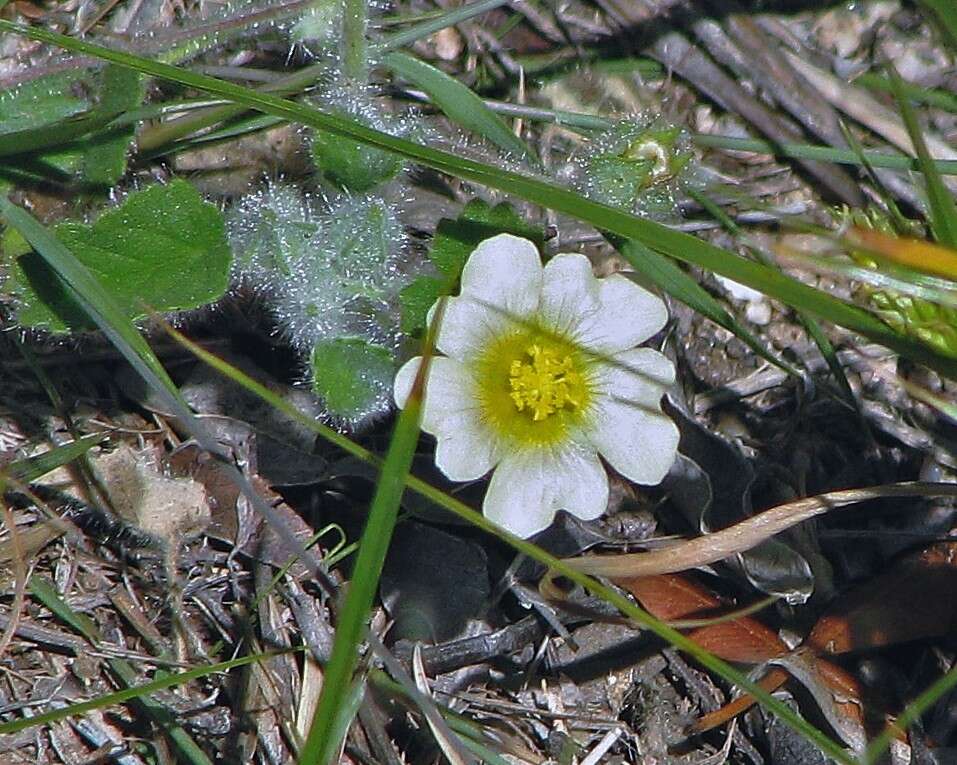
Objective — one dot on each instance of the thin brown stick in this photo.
(20, 577)
(719, 545)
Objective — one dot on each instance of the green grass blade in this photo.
(189, 751)
(668, 276)
(441, 21)
(946, 14)
(943, 210)
(819, 153)
(942, 99)
(915, 709)
(32, 468)
(43, 591)
(672, 243)
(134, 692)
(458, 102)
(321, 743)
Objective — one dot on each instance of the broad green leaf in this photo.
(352, 376)
(41, 102)
(164, 248)
(458, 102)
(104, 153)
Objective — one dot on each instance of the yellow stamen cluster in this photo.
(547, 384)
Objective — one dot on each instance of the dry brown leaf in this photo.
(914, 600)
(670, 597)
(746, 640)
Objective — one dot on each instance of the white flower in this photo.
(540, 376)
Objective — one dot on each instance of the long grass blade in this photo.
(32, 468)
(458, 101)
(943, 209)
(320, 744)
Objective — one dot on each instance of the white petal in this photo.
(467, 327)
(504, 274)
(569, 292)
(468, 453)
(529, 487)
(637, 377)
(628, 315)
(450, 400)
(638, 441)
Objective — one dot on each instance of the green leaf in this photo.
(351, 165)
(104, 153)
(458, 102)
(352, 376)
(455, 239)
(415, 301)
(41, 102)
(31, 468)
(62, 120)
(164, 248)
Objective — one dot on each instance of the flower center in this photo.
(533, 386)
(545, 384)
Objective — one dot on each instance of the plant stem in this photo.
(354, 51)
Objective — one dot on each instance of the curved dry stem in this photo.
(710, 548)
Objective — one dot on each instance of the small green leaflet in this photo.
(163, 249)
(351, 375)
(415, 301)
(453, 243)
(353, 166)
